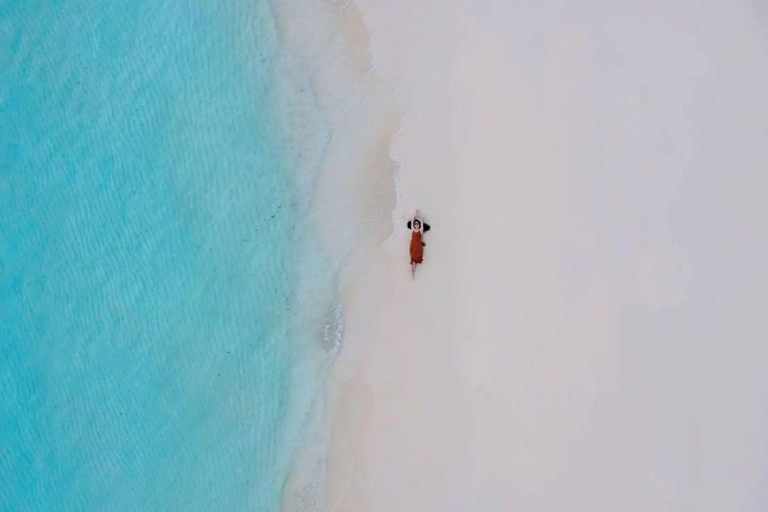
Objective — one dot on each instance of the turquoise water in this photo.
(145, 251)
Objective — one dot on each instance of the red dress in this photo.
(417, 247)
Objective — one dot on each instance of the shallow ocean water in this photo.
(147, 264)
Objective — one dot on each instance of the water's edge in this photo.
(347, 185)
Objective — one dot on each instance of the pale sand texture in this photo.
(587, 331)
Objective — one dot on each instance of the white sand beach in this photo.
(586, 332)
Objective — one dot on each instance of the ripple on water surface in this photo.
(145, 246)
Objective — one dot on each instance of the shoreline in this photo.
(347, 128)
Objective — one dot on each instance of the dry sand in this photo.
(586, 331)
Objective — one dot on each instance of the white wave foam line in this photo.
(334, 331)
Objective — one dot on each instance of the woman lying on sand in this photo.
(417, 228)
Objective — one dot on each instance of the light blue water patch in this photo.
(145, 257)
